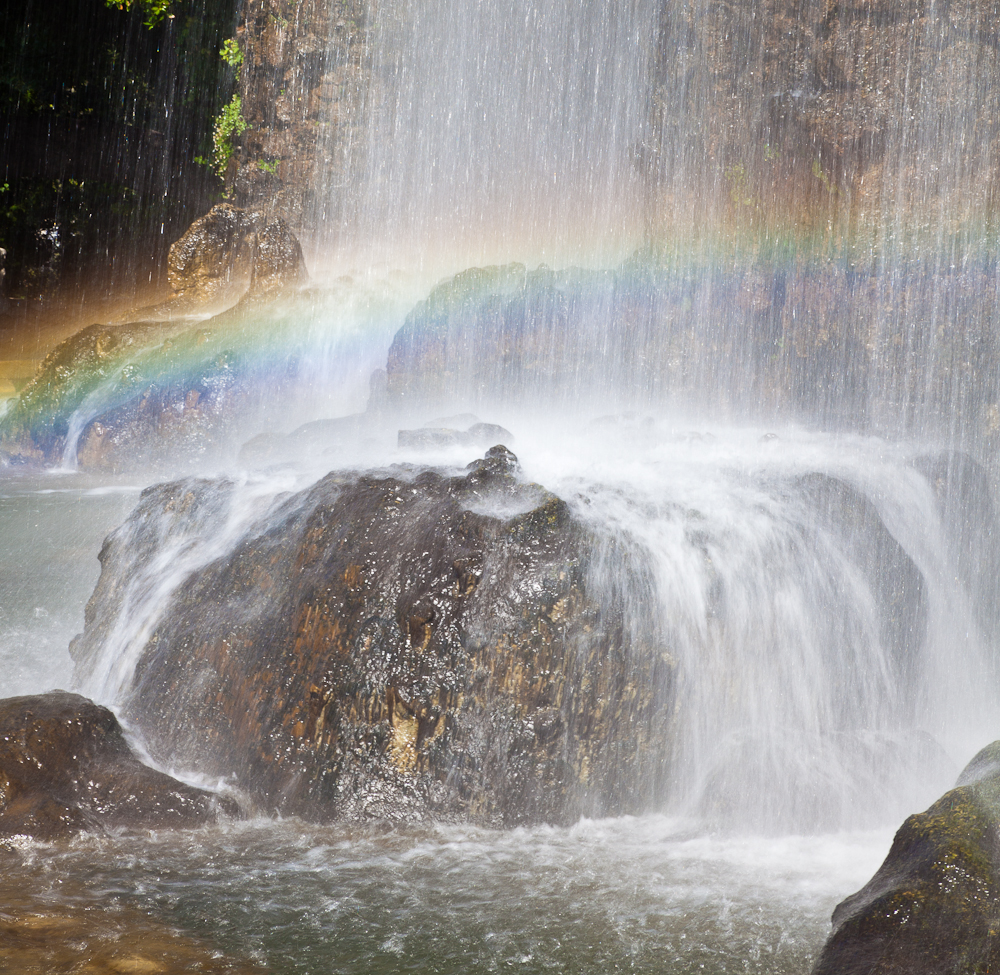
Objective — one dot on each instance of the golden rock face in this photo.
(384, 648)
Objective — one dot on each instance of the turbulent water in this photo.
(795, 728)
(648, 895)
(827, 601)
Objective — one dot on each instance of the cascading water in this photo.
(501, 132)
(823, 599)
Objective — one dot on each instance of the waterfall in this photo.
(724, 278)
(501, 132)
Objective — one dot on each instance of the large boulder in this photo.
(933, 907)
(229, 252)
(65, 767)
(394, 646)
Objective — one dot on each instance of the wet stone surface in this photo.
(934, 905)
(65, 767)
(398, 646)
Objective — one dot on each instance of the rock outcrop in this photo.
(933, 907)
(822, 343)
(117, 398)
(840, 119)
(65, 767)
(229, 253)
(396, 646)
(306, 87)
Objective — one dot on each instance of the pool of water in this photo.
(651, 894)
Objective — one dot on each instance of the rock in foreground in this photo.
(65, 767)
(396, 646)
(933, 907)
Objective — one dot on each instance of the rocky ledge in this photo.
(933, 907)
(65, 767)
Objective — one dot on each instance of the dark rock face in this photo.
(65, 767)
(893, 576)
(775, 113)
(934, 905)
(398, 646)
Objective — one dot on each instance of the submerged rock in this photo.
(933, 907)
(65, 766)
(396, 646)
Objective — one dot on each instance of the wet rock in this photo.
(230, 252)
(277, 261)
(893, 576)
(65, 766)
(210, 263)
(809, 112)
(35, 427)
(307, 89)
(477, 435)
(411, 644)
(317, 438)
(933, 907)
(152, 394)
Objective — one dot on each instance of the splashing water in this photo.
(827, 602)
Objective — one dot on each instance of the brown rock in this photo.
(230, 250)
(827, 117)
(307, 89)
(396, 647)
(65, 766)
(277, 261)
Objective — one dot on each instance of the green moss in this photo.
(155, 10)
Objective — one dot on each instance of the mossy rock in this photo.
(932, 908)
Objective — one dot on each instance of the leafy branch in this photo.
(155, 10)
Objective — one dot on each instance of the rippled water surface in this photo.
(644, 895)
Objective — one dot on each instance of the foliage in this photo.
(228, 124)
(230, 52)
(155, 10)
(101, 116)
